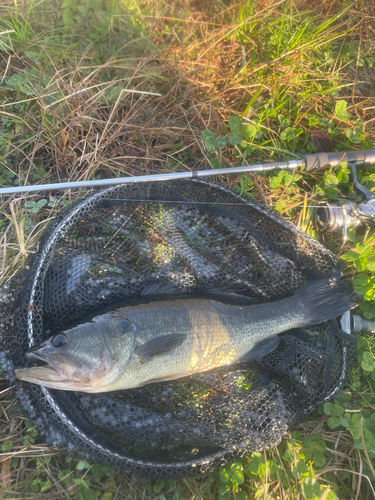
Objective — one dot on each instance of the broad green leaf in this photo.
(311, 488)
(333, 409)
(351, 256)
(367, 367)
(331, 495)
(362, 290)
(371, 264)
(319, 458)
(343, 167)
(41, 203)
(341, 112)
(324, 122)
(82, 464)
(368, 437)
(356, 135)
(369, 62)
(160, 483)
(314, 445)
(224, 491)
(364, 250)
(68, 17)
(236, 473)
(368, 357)
(330, 180)
(274, 182)
(7, 446)
(331, 193)
(248, 131)
(367, 361)
(345, 420)
(343, 177)
(302, 467)
(284, 122)
(208, 136)
(333, 422)
(254, 465)
(322, 445)
(241, 495)
(288, 134)
(317, 445)
(313, 121)
(337, 410)
(235, 137)
(220, 142)
(225, 475)
(370, 294)
(360, 264)
(355, 426)
(235, 122)
(306, 453)
(297, 435)
(209, 147)
(361, 279)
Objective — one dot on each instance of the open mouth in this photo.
(53, 370)
(45, 364)
(50, 369)
(38, 360)
(42, 360)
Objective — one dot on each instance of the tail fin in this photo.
(326, 298)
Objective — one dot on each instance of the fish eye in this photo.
(59, 340)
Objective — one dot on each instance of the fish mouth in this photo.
(46, 361)
(41, 375)
(49, 372)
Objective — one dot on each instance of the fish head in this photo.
(72, 360)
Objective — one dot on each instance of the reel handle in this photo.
(318, 160)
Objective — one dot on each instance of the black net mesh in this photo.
(133, 241)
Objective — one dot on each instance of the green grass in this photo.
(238, 83)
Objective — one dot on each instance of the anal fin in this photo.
(261, 349)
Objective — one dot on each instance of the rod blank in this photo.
(155, 178)
(310, 162)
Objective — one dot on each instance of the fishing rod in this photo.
(330, 217)
(310, 162)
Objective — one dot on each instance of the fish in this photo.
(167, 339)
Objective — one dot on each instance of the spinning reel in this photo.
(335, 217)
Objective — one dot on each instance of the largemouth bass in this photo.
(141, 344)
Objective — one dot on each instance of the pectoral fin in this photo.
(160, 345)
(261, 349)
